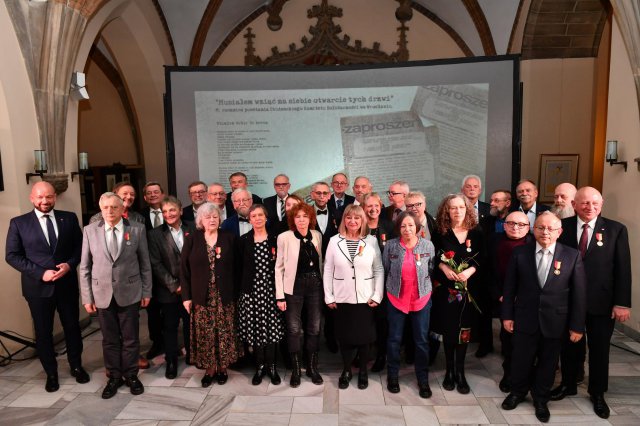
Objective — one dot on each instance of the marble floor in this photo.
(23, 400)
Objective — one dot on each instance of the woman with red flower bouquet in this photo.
(459, 244)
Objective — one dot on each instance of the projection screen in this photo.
(427, 123)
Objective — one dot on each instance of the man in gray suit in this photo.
(115, 280)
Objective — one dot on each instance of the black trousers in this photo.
(172, 313)
(309, 296)
(155, 322)
(120, 326)
(42, 311)
(527, 349)
(598, 337)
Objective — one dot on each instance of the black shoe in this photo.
(463, 386)
(332, 345)
(345, 378)
(511, 401)
(580, 375)
(600, 406)
(171, 371)
(206, 381)
(112, 387)
(80, 374)
(52, 383)
(154, 351)
(449, 381)
(135, 385)
(505, 384)
(272, 372)
(542, 411)
(424, 390)
(257, 377)
(561, 392)
(483, 351)
(363, 380)
(295, 370)
(378, 365)
(222, 378)
(392, 384)
(312, 369)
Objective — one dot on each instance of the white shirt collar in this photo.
(39, 214)
(591, 223)
(551, 248)
(119, 226)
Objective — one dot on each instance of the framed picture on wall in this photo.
(126, 177)
(554, 170)
(111, 182)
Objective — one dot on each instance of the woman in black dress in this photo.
(454, 313)
(261, 322)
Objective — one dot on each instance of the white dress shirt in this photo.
(152, 215)
(551, 249)
(119, 233)
(591, 227)
(322, 219)
(43, 223)
(178, 237)
(531, 215)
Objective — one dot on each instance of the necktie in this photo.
(543, 267)
(113, 245)
(282, 210)
(321, 212)
(339, 203)
(242, 219)
(396, 212)
(53, 240)
(156, 220)
(584, 238)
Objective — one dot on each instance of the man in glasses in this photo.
(417, 203)
(339, 200)
(500, 246)
(398, 190)
(239, 223)
(198, 195)
(238, 180)
(544, 303)
(326, 222)
(217, 196)
(498, 211)
(275, 204)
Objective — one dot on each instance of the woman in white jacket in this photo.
(353, 287)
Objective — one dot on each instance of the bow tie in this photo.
(243, 219)
(319, 212)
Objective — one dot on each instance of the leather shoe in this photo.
(600, 406)
(80, 374)
(561, 392)
(542, 411)
(135, 385)
(463, 386)
(363, 380)
(206, 381)
(483, 351)
(154, 351)
(378, 365)
(511, 401)
(392, 385)
(505, 384)
(52, 383)
(449, 381)
(171, 371)
(424, 390)
(222, 378)
(112, 387)
(345, 378)
(143, 364)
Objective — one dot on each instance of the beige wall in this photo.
(621, 191)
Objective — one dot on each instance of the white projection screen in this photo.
(427, 123)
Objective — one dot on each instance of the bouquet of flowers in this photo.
(460, 290)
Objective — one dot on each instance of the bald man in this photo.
(45, 246)
(604, 247)
(562, 200)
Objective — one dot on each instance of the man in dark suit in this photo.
(115, 281)
(398, 190)
(198, 195)
(527, 195)
(275, 204)
(217, 196)
(604, 246)
(326, 223)
(239, 224)
(547, 279)
(165, 245)
(499, 209)
(361, 187)
(153, 195)
(44, 245)
(238, 180)
(339, 200)
(472, 189)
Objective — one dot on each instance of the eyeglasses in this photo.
(243, 200)
(414, 205)
(545, 228)
(393, 194)
(220, 194)
(322, 193)
(335, 182)
(281, 184)
(517, 224)
(197, 192)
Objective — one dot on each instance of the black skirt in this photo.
(355, 323)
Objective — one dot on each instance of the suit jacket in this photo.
(132, 216)
(272, 206)
(608, 265)
(232, 225)
(484, 210)
(188, 215)
(330, 230)
(28, 251)
(247, 264)
(229, 204)
(146, 213)
(165, 263)
(387, 213)
(337, 213)
(287, 260)
(515, 206)
(195, 268)
(560, 304)
(127, 278)
(357, 280)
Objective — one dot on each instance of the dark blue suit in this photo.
(28, 251)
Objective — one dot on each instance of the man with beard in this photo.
(562, 200)
(361, 187)
(238, 180)
(498, 211)
(198, 195)
(275, 204)
(239, 224)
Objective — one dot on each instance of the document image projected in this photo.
(430, 136)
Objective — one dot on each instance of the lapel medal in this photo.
(418, 259)
(383, 237)
(468, 244)
(556, 267)
(360, 250)
(599, 238)
(127, 238)
(273, 252)
(218, 251)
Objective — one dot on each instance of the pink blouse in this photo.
(408, 300)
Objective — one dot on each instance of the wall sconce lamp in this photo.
(78, 91)
(612, 154)
(40, 164)
(83, 164)
(637, 160)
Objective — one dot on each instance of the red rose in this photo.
(449, 254)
